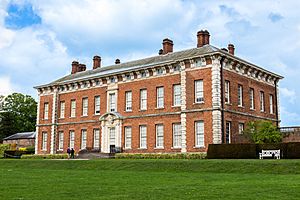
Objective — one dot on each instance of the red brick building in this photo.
(173, 102)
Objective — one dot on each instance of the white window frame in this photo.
(45, 141)
(199, 93)
(112, 102)
(177, 95)
(262, 101)
(240, 95)
(71, 139)
(85, 105)
(73, 108)
(46, 110)
(97, 101)
(160, 97)
(60, 140)
(112, 136)
(96, 143)
(252, 104)
(177, 143)
(271, 104)
(143, 137)
(62, 109)
(241, 128)
(128, 101)
(143, 99)
(199, 133)
(228, 132)
(159, 130)
(83, 139)
(128, 135)
(227, 92)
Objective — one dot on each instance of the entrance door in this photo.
(112, 139)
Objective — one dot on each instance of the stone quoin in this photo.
(173, 102)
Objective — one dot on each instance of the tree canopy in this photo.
(261, 132)
(18, 114)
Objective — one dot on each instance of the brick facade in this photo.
(205, 64)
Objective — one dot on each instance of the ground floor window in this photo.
(72, 139)
(228, 132)
(127, 137)
(44, 144)
(83, 139)
(177, 135)
(241, 128)
(96, 138)
(112, 136)
(143, 136)
(61, 140)
(159, 135)
(199, 134)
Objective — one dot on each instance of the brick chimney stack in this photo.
(160, 52)
(231, 49)
(202, 38)
(75, 66)
(117, 61)
(167, 46)
(96, 62)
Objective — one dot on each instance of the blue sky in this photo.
(39, 39)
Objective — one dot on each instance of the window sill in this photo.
(159, 148)
(198, 147)
(84, 116)
(96, 114)
(128, 111)
(160, 108)
(175, 147)
(127, 148)
(197, 103)
(143, 110)
(252, 109)
(241, 106)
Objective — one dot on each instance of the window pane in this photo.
(112, 136)
(72, 139)
(83, 139)
(199, 134)
(143, 99)
(160, 97)
(159, 135)
(199, 91)
(177, 95)
(143, 137)
(128, 137)
(97, 105)
(61, 140)
(177, 135)
(112, 102)
(85, 106)
(73, 108)
(96, 138)
(62, 109)
(128, 96)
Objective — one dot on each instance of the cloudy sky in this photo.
(39, 39)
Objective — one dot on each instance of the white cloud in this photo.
(6, 86)
(288, 94)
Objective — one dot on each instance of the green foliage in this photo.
(160, 155)
(261, 132)
(18, 114)
(3, 147)
(45, 156)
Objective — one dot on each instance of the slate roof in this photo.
(144, 63)
(24, 135)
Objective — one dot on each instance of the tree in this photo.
(18, 114)
(261, 132)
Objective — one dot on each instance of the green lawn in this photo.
(149, 179)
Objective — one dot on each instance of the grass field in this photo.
(149, 179)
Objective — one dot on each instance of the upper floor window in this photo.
(176, 68)
(62, 109)
(97, 105)
(177, 95)
(128, 99)
(262, 101)
(112, 102)
(128, 76)
(177, 135)
(159, 128)
(199, 97)
(46, 110)
(271, 104)
(240, 95)
(143, 74)
(73, 108)
(160, 97)
(227, 92)
(252, 99)
(112, 79)
(159, 70)
(85, 106)
(143, 99)
(199, 134)
(97, 82)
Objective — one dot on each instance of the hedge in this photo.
(251, 151)
(3, 147)
(160, 155)
(45, 156)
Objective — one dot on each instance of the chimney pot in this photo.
(202, 38)
(75, 65)
(167, 46)
(231, 49)
(96, 62)
(117, 61)
(160, 52)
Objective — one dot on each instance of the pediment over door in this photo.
(110, 119)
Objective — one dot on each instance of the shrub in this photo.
(160, 155)
(3, 147)
(45, 156)
(230, 151)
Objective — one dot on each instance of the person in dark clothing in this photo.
(68, 152)
(72, 153)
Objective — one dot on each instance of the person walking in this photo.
(72, 153)
(68, 152)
